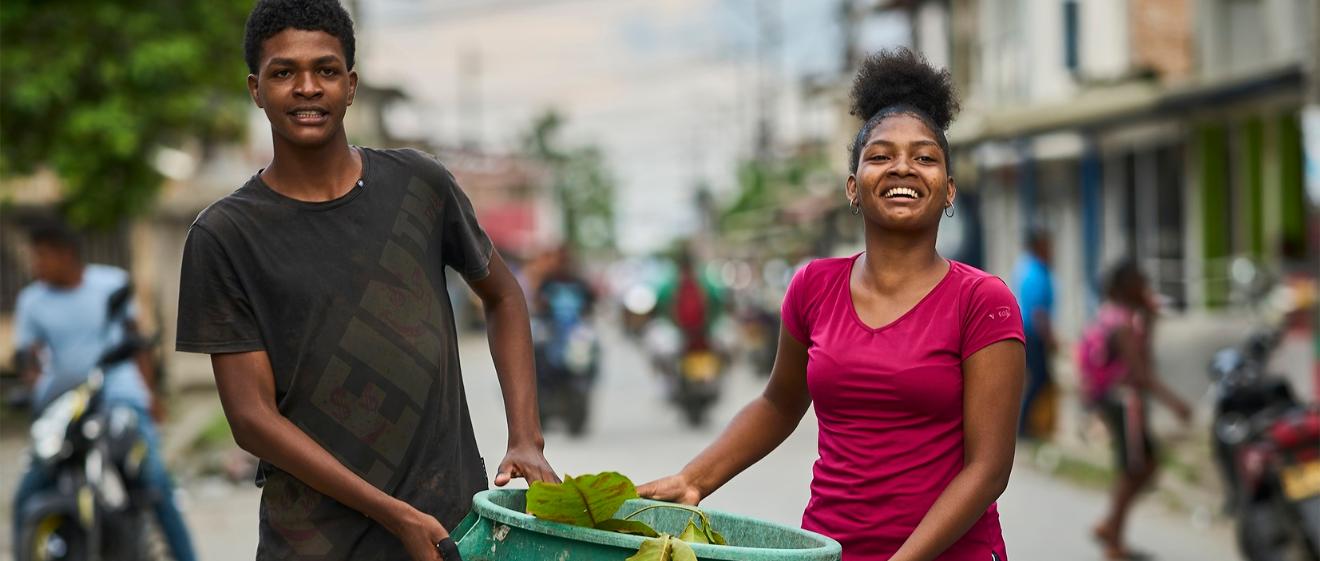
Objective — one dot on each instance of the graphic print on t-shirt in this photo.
(412, 310)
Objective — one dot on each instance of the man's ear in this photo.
(352, 85)
(252, 90)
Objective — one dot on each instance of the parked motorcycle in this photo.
(99, 505)
(1267, 445)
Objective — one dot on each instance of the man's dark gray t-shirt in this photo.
(348, 299)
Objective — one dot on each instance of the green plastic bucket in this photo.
(498, 529)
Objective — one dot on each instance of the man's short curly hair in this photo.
(269, 17)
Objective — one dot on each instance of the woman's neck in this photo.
(892, 259)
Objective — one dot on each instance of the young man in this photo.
(61, 332)
(318, 289)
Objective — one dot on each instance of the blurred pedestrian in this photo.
(1035, 293)
(318, 288)
(60, 328)
(1117, 366)
(914, 362)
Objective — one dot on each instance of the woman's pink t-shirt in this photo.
(889, 401)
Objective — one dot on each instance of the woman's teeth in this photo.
(901, 192)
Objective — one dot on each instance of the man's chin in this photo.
(303, 141)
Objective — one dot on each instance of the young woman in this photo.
(1126, 318)
(914, 362)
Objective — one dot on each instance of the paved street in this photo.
(634, 432)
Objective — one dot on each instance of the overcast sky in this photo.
(667, 88)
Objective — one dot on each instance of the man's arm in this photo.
(510, 336)
(146, 366)
(28, 365)
(1044, 326)
(246, 384)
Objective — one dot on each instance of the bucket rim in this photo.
(483, 505)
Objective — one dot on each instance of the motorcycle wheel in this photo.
(576, 413)
(1264, 536)
(152, 544)
(694, 412)
(53, 537)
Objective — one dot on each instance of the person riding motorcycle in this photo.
(61, 332)
(692, 302)
(690, 307)
(567, 347)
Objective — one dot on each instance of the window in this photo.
(1071, 54)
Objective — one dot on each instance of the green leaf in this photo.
(682, 552)
(586, 500)
(633, 527)
(657, 549)
(692, 534)
(664, 548)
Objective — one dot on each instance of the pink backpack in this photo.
(1098, 362)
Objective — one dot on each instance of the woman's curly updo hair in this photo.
(898, 81)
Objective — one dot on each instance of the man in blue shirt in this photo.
(61, 331)
(1034, 285)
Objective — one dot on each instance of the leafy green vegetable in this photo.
(664, 548)
(634, 527)
(590, 501)
(586, 500)
(692, 534)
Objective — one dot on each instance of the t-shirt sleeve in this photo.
(26, 330)
(215, 314)
(992, 315)
(794, 310)
(467, 249)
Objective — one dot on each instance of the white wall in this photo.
(1105, 53)
(1050, 79)
(1021, 50)
(933, 33)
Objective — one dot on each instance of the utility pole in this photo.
(769, 38)
(469, 98)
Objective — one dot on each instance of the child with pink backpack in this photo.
(1116, 366)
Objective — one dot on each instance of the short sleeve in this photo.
(992, 315)
(215, 313)
(465, 245)
(793, 311)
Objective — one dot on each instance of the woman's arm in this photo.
(992, 390)
(759, 428)
(246, 384)
(509, 332)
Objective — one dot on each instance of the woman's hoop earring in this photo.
(855, 206)
(948, 211)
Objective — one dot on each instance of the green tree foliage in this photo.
(92, 89)
(765, 185)
(583, 185)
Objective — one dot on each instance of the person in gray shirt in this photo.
(318, 289)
